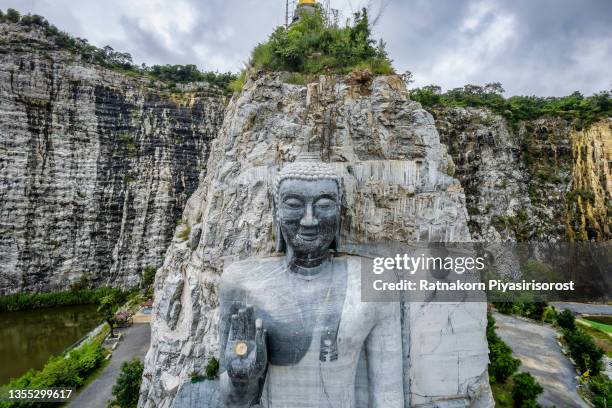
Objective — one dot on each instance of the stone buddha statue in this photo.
(293, 329)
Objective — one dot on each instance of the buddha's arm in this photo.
(384, 354)
(235, 392)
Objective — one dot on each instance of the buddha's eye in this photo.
(292, 202)
(325, 203)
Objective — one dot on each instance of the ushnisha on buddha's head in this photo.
(307, 197)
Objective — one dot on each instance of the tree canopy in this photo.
(312, 45)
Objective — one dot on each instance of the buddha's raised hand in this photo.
(246, 353)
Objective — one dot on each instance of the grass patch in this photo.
(599, 319)
(502, 393)
(600, 338)
(184, 233)
(599, 326)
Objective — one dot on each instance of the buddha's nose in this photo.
(308, 220)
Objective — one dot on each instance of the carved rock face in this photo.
(308, 213)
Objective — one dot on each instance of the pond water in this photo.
(29, 338)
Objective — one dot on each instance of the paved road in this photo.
(536, 346)
(135, 343)
(584, 308)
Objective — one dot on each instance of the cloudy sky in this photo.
(542, 47)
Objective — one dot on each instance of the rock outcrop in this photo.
(398, 188)
(95, 165)
(534, 180)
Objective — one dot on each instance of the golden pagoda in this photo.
(304, 6)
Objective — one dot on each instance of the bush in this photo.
(183, 234)
(64, 371)
(582, 110)
(212, 369)
(600, 388)
(127, 388)
(12, 15)
(550, 315)
(148, 276)
(566, 320)
(312, 46)
(502, 365)
(584, 351)
(526, 390)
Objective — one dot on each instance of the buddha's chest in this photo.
(304, 319)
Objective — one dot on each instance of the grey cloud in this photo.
(545, 47)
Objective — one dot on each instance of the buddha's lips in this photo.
(308, 235)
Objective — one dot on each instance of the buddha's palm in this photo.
(245, 352)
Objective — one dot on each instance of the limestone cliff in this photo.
(95, 165)
(535, 180)
(398, 187)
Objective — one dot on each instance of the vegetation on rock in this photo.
(577, 108)
(312, 46)
(29, 301)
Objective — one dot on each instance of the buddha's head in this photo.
(307, 197)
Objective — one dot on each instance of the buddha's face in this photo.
(308, 213)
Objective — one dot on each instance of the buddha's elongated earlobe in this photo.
(280, 244)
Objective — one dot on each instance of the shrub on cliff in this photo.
(313, 46)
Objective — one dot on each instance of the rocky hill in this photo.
(398, 187)
(95, 165)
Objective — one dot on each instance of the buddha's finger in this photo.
(260, 333)
(234, 327)
(242, 323)
(250, 322)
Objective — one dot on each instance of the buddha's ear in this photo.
(280, 244)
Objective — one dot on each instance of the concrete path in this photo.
(537, 348)
(135, 343)
(584, 308)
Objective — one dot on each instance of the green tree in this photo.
(584, 351)
(502, 364)
(127, 387)
(566, 320)
(12, 15)
(601, 389)
(107, 307)
(148, 276)
(525, 390)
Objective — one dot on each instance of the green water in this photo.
(29, 338)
